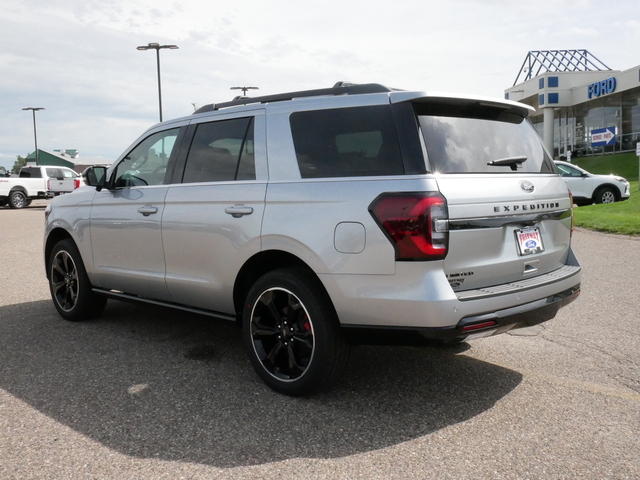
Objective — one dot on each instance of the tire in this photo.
(69, 284)
(17, 199)
(28, 202)
(292, 334)
(604, 195)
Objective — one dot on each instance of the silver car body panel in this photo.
(127, 243)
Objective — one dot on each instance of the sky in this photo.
(78, 60)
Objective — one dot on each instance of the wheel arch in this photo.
(18, 188)
(53, 238)
(262, 263)
(614, 188)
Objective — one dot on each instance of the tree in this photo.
(20, 162)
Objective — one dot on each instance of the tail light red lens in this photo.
(76, 183)
(415, 223)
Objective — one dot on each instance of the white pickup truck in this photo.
(37, 182)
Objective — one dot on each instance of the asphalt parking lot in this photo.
(148, 393)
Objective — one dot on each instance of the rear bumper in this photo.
(476, 326)
(424, 302)
(494, 323)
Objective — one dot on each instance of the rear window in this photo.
(469, 144)
(346, 142)
(54, 173)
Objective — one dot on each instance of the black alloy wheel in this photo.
(291, 333)
(69, 284)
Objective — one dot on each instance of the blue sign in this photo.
(602, 88)
(603, 136)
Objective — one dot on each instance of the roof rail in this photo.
(340, 88)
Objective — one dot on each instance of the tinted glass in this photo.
(30, 173)
(221, 151)
(346, 142)
(147, 163)
(467, 145)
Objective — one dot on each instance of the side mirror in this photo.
(95, 177)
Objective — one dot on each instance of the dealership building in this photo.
(582, 106)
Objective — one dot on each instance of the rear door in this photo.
(213, 210)
(509, 211)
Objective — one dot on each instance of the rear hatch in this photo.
(509, 212)
(61, 180)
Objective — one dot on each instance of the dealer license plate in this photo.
(529, 241)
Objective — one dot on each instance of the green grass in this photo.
(620, 217)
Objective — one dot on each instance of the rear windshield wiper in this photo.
(512, 162)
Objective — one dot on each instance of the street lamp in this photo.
(35, 135)
(244, 89)
(157, 47)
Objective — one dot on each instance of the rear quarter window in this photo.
(467, 142)
(346, 142)
(30, 173)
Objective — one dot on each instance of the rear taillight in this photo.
(76, 183)
(415, 223)
(48, 185)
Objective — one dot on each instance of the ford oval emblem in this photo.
(527, 186)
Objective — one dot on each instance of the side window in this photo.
(30, 173)
(346, 142)
(147, 163)
(566, 171)
(563, 171)
(221, 151)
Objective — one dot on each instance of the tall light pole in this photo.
(157, 47)
(35, 135)
(244, 89)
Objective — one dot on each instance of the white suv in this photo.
(588, 188)
(316, 217)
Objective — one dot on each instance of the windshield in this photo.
(479, 145)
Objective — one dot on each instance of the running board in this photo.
(176, 306)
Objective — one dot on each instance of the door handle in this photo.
(238, 211)
(146, 211)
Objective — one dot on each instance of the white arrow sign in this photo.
(605, 136)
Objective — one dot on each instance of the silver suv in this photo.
(315, 218)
